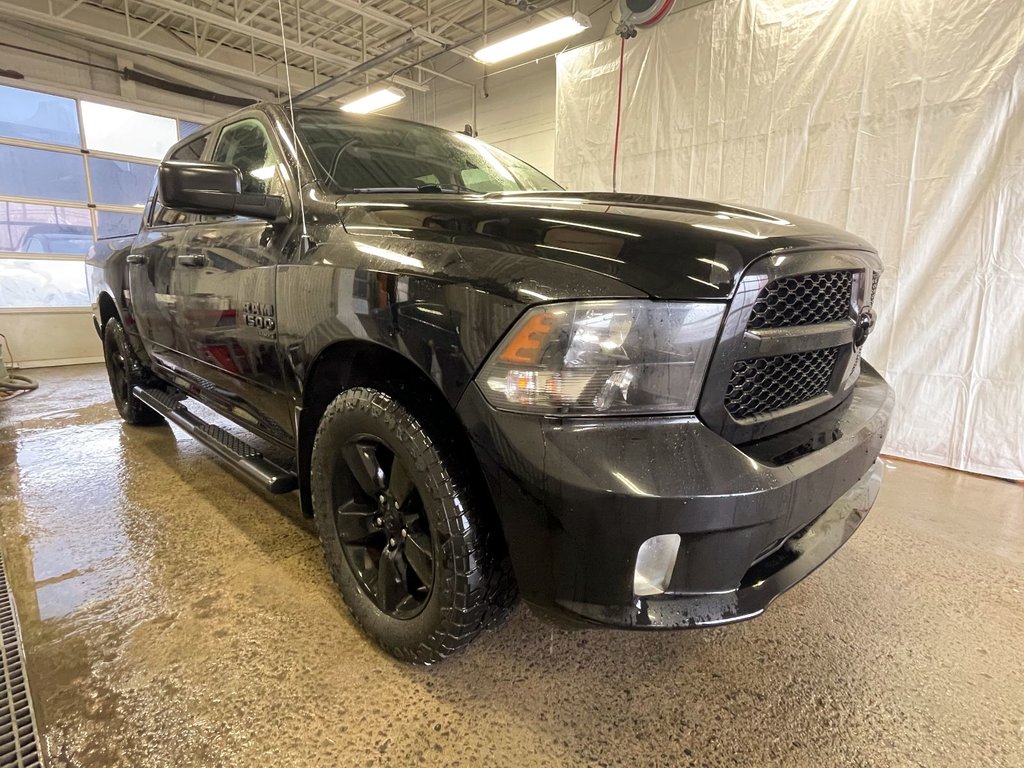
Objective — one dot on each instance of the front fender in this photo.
(441, 305)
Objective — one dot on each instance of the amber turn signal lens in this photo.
(527, 344)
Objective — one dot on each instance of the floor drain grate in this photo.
(19, 745)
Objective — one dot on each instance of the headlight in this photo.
(603, 357)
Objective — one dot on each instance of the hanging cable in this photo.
(618, 118)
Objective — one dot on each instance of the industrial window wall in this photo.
(71, 170)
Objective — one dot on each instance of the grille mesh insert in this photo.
(767, 384)
(809, 299)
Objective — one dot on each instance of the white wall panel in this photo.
(899, 120)
(517, 114)
(55, 337)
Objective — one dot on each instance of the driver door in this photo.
(151, 264)
(225, 284)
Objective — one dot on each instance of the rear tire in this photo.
(408, 536)
(125, 371)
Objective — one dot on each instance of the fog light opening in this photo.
(655, 561)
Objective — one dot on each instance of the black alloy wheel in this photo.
(125, 372)
(382, 526)
(408, 530)
(118, 372)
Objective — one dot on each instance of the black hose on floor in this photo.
(15, 383)
(12, 383)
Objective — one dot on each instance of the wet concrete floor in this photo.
(173, 616)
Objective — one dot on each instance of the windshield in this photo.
(354, 153)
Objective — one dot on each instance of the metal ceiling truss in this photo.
(345, 41)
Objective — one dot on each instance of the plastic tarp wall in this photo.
(899, 120)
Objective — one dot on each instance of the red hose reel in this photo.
(640, 13)
(644, 13)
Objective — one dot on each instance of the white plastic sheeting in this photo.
(899, 120)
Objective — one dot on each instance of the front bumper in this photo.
(578, 497)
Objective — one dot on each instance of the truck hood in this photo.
(669, 248)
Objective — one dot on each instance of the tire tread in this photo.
(479, 585)
(134, 412)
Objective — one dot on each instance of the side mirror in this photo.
(213, 188)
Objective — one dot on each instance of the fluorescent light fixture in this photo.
(537, 37)
(372, 102)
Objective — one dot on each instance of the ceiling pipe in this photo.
(411, 42)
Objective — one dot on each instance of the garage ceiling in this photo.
(407, 42)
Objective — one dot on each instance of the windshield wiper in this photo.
(453, 189)
(459, 189)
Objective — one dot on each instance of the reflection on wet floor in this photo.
(174, 615)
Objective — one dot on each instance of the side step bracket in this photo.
(238, 453)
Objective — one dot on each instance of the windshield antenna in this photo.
(304, 241)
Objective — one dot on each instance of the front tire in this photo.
(125, 371)
(405, 530)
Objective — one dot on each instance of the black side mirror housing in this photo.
(213, 189)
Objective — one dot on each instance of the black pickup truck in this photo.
(634, 411)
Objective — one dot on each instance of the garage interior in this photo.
(170, 613)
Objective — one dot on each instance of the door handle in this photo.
(192, 259)
(135, 258)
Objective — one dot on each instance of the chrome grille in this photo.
(765, 384)
(808, 299)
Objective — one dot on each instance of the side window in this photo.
(246, 146)
(193, 151)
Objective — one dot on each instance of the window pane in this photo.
(119, 182)
(38, 117)
(127, 132)
(42, 283)
(246, 146)
(113, 223)
(191, 151)
(41, 173)
(187, 127)
(29, 228)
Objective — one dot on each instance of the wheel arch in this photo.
(347, 364)
(107, 309)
